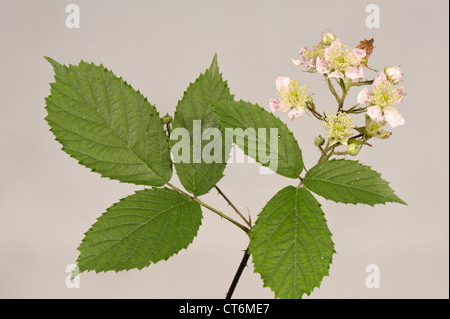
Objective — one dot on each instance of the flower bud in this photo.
(319, 141)
(393, 74)
(353, 149)
(327, 38)
(167, 119)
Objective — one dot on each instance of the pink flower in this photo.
(393, 117)
(382, 100)
(292, 97)
(340, 61)
(282, 84)
(310, 56)
(309, 63)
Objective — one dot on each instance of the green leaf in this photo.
(196, 174)
(256, 143)
(291, 244)
(146, 227)
(108, 126)
(346, 181)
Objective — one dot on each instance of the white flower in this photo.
(382, 100)
(293, 97)
(339, 61)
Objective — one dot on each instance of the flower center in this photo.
(385, 95)
(317, 51)
(340, 58)
(339, 126)
(296, 95)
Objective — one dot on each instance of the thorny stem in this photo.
(238, 274)
(244, 228)
(232, 206)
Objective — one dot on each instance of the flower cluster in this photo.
(384, 96)
(345, 67)
(332, 58)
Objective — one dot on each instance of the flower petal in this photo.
(358, 54)
(375, 113)
(296, 112)
(354, 72)
(364, 96)
(393, 117)
(401, 91)
(336, 44)
(301, 53)
(322, 66)
(379, 79)
(326, 53)
(296, 62)
(282, 82)
(275, 105)
(336, 74)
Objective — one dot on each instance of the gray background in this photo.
(47, 200)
